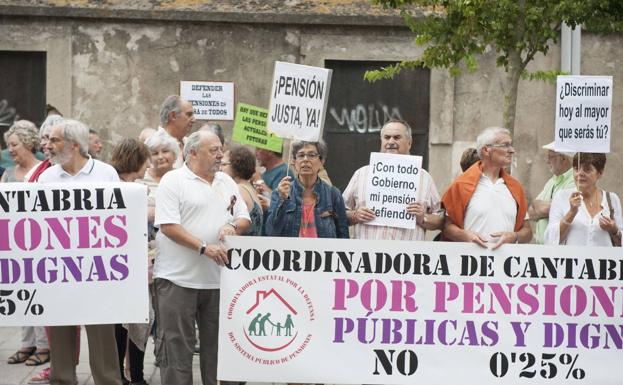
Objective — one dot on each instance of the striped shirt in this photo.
(355, 196)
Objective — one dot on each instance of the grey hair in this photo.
(77, 132)
(192, 141)
(321, 147)
(162, 139)
(215, 129)
(49, 122)
(26, 132)
(171, 103)
(409, 131)
(487, 136)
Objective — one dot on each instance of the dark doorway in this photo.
(357, 110)
(22, 88)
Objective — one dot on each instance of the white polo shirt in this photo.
(92, 171)
(202, 209)
(491, 209)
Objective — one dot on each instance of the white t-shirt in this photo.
(92, 171)
(202, 209)
(491, 209)
(584, 230)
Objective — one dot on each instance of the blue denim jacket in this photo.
(284, 216)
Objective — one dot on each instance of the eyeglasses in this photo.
(505, 146)
(310, 156)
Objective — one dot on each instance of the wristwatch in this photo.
(202, 249)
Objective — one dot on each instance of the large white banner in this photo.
(73, 254)
(393, 183)
(583, 113)
(210, 100)
(298, 101)
(419, 313)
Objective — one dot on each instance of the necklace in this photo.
(593, 201)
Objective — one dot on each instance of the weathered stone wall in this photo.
(114, 73)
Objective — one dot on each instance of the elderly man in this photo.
(176, 119)
(196, 207)
(559, 164)
(485, 204)
(95, 144)
(68, 146)
(395, 139)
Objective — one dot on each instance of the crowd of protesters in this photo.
(202, 189)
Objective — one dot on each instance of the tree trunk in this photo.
(512, 86)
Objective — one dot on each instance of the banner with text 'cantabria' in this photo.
(298, 101)
(73, 254)
(339, 311)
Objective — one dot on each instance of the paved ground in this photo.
(19, 374)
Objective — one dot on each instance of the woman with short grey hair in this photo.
(22, 141)
(304, 206)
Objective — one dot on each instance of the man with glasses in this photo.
(67, 147)
(559, 164)
(196, 207)
(485, 204)
(395, 139)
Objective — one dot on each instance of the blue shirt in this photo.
(284, 215)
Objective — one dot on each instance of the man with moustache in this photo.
(485, 204)
(68, 146)
(176, 119)
(196, 207)
(395, 139)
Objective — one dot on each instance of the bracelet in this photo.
(202, 249)
(233, 224)
(565, 222)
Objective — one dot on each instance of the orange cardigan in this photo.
(457, 196)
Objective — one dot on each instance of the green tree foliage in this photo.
(456, 32)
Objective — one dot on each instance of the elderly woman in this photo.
(164, 151)
(22, 141)
(588, 216)
(130, 158)
(305, 206)
(239, 163)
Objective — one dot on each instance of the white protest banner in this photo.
(210, 100)
(583, 113)
(393, 181)
(419, 313)
(298, 101)
(73, 254)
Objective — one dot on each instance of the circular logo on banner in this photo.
(271, 320)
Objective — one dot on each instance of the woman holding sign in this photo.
(305, 206)
(588, 216)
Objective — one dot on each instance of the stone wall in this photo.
(113, 73)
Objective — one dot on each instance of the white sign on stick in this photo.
(583, 114)
(298, 101)
(73, 254)
(393, 183)
(210, 100)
